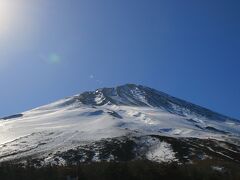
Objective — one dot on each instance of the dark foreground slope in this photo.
(131, 170)
(198, 159)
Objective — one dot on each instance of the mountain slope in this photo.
(118, 124)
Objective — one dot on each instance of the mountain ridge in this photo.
(88, 97)
(124, 123)
(109, 92)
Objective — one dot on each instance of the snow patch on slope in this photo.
(160, 151)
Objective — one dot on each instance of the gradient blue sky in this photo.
(50, 49)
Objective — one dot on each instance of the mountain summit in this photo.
(138, 95)
(118, 124)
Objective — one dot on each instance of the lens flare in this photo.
(54, 58)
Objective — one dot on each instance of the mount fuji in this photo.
(123, 123)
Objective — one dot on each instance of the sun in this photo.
(7, 15)
(4, 15)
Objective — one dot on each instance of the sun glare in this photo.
(7, 12)
(18, 24)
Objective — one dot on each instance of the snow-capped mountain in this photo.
(118, 124)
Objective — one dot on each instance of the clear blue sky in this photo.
(50, 49)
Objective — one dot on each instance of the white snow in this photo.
(63, 125)
(99, 98)
(160, 151)
(217, 168)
